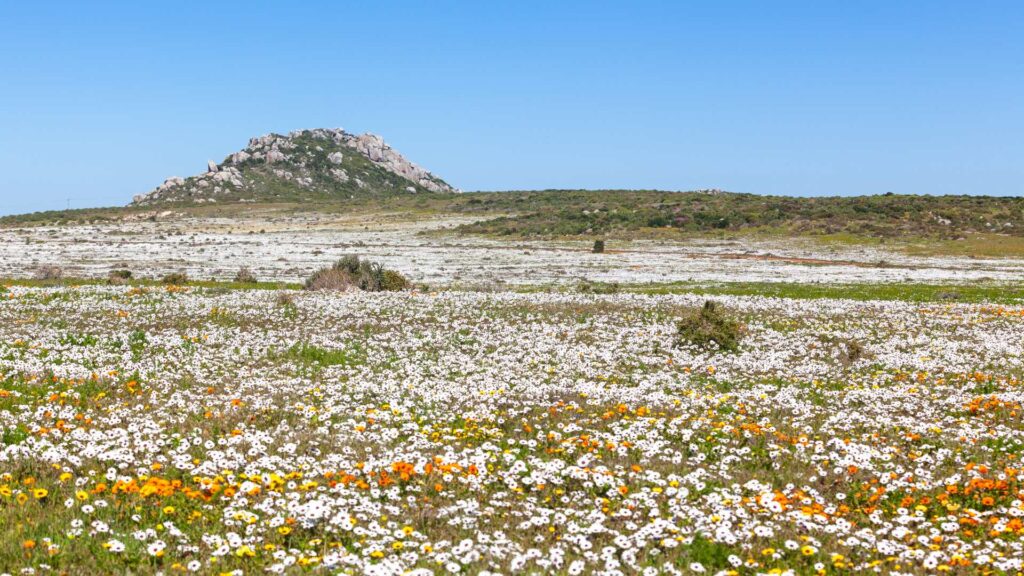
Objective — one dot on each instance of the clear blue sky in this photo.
(103, 100)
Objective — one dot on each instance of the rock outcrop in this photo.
(304, 165)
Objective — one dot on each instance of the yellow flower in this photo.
(168, 510)
(82, 495)
(65, 477)
(245, 552)
(808, 550)
(40, 493)
(284, 530)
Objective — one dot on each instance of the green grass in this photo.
(991, 293)
(982, 292)
(352, 355)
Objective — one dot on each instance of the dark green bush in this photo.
(710, 328)
(392, 281)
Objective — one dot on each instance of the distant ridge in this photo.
(319, 164)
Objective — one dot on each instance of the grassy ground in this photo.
(991, 292)
(905, 292)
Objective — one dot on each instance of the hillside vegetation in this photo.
(633, 214)
(577, 213)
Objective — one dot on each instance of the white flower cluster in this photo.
(221, 431)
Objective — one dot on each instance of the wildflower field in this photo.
(210, 430)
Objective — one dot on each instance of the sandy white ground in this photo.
(288, 249)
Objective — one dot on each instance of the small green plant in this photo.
(710, 328)
(70, 339)
(13, 435)
(308, 354)
(598, 247)
(137, 342)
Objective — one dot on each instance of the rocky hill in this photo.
(319, 164)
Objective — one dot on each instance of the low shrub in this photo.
(50, 273)
(350, 271)
(175, 279)
(598, 247)
(245, 276)
(710, 328)
(329, 279)
(118, 277)
(391, 281)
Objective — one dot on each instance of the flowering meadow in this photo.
(247, 431)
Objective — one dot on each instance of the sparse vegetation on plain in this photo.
(925, 225)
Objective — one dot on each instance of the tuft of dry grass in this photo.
(49, 273)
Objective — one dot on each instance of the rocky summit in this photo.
(304, 165)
